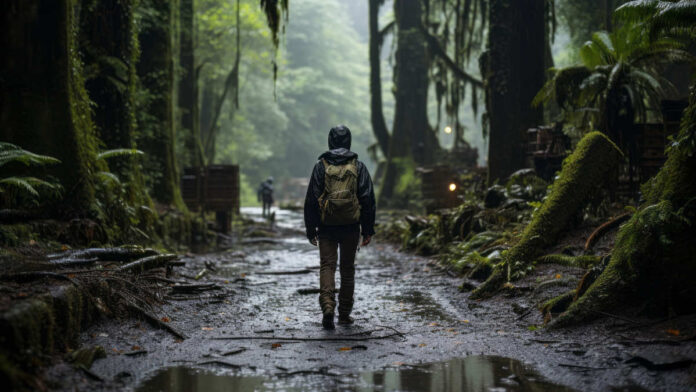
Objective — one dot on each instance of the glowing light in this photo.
(452, 187)
(448, 129)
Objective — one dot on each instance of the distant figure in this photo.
(340, 202)
(265, 195)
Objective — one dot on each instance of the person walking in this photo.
(265, 196)
(339, 205)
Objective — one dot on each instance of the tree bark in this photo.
(379, 125)
(514, 72)
(109, 49)
(188, 87)
(156, 71)
(412, 138)
(43, 103)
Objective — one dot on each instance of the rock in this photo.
(467, 285)
(495, 196)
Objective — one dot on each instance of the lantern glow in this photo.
(448, 129)
(452, 187)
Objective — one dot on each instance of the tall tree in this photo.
(43, 103)
(156, 72)
(513, 68)
(188, 85)
(109, 49)
(379, 125)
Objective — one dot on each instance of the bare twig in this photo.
(155, 321)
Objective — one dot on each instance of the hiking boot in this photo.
(328, 321)
(345, 320)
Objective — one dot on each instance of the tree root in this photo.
(603, 228)
(148, 263)
(595, 158)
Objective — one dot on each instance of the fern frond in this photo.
(118, 152)
(13, 153)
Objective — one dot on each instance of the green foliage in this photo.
(118, 152)
(620, 75)
(671, 17)
(10, 153)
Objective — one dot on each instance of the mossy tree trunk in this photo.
(592, 164)
(188, 86)
(653, 257)
(514, 73)
(43, 104)
(109, 48)
(156, 72)
(411, 136)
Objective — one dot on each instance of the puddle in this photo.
(470, 374)
(422, 305)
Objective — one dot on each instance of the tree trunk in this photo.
(514, 71)
(109, 47)
(379, 125)
(43, 103)
(156, 71)
(188, 91)
(411, 136)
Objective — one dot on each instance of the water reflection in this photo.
(470, 374)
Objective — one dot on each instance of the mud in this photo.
(448, 342)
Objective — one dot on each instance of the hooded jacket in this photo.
(339, 154)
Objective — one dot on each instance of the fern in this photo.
(118, 152)
(13, 153)
(27, 184)
(109, 177)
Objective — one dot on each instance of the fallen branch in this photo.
(628, 320)
(105, 254)
(193, 288)
(73, 262)
(148, 262)
(155, 321)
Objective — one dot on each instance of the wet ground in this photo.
(414, 331)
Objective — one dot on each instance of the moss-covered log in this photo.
(43, 103)
(591, 164)
(653, 258)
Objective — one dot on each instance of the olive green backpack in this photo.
(339, 202)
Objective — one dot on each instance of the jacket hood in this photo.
(339, 136)
(338, 156)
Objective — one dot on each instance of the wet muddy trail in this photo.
(413, 331)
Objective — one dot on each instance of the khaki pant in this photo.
(347, 242)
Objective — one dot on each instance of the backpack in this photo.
(339, 202)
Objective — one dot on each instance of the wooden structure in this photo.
(213, 188)
(435, 187)
(546, 148)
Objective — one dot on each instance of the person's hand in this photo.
(313, 241)
(366, 240)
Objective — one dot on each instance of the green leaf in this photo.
(118, 152)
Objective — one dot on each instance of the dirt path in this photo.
(394, 291)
